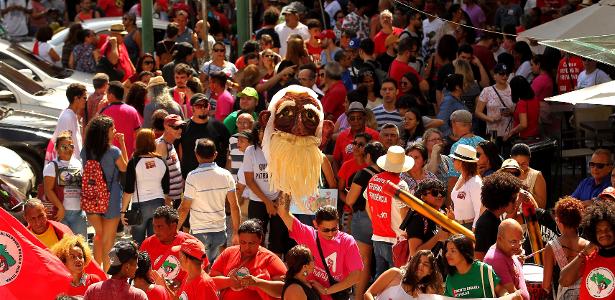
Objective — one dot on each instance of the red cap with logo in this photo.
(192, 247)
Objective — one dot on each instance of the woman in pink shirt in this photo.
(542, 84)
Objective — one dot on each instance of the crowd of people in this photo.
(169, 146)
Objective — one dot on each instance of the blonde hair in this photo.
(67, 243)
(463, 67)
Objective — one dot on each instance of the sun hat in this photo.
(155, 81)
(511, 164)
(118, 28)
(355, 107)
(395, 161)
(465, 153)
(608, 193)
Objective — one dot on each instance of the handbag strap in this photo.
(137, 159)
(499, 97)
(55, 165)
(482, 279)
(324, 263)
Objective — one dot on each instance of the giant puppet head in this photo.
(293, 129)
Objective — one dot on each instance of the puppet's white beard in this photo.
(294, 167)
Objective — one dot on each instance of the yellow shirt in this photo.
(49, 237)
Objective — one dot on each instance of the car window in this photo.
(11, 61)
(47, 67)
(24, 82)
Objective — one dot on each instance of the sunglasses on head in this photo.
(269, 56)
(598, 165)
(327, 230)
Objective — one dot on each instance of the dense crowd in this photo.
(170, 145)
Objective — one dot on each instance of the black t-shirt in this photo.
(385, 61)
(213, 130)
(362, 178)
(270, 31)
(486, 231)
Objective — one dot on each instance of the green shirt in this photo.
(231, 121)
(469, 285)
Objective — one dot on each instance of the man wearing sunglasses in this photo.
(356, 116)
(600, 168)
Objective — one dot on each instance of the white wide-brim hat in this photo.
(395, 161)
(465, 153)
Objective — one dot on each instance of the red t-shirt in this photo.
(568, 71)
(381, 204)
(124, 59)
(598, 281)
(485, 56)
(80, 290)
(348, 168)
(532, 110)
(333, 100)
(343, 148)
(380, 38)
(112, 8)
(202, 287)
(164, 260)
(398, 69)
(157, 293)
(126, 120)
(265, 265)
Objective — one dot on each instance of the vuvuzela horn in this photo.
(427, 211)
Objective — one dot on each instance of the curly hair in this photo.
(144, 264)
(252, 226)
(431, 283)
(499, 190)
(569, 211)
(594, 214)
(63, 247)
(96, 141)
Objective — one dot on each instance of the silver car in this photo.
(16, 171)
(21, 92)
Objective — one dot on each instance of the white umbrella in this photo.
(602, 94)
(590, 21)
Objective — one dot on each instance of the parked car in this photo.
(12, 200)
(101, 26)
(16, 171)
(27, 134)
(20, 92)
(48, 74)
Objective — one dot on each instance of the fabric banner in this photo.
(439, 297)
(309, 205)
(27, 269)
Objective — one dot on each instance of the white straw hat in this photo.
(395, 161)
(465, 153)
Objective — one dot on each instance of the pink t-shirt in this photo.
(224, 105)
(114, 289)
(341, 253)
(542, 86)
(508, 269)
(126, 120)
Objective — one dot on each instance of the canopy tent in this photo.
(590, 21)
(598, 48)
(602, 94)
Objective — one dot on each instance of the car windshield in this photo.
(47, 67)
(27, 84)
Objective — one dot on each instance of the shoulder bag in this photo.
(341, 295)
(134, 216)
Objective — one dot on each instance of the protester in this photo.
(497, 100)
(417, 174)
(489, 159)
(100, 81)
(248, 100)
(47, 231)
(160, 98)
(85, 54)
(197, 284)
(356, 116)
(300, 264)
(75, 253)
(144, 282)
(69, 120)
(125, 117)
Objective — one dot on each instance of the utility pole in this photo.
(205, 29)
(243, 21)
(147, 26)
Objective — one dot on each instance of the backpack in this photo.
(95, 195)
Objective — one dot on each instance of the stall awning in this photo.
(598, 48)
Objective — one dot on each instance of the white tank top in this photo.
(395, 292)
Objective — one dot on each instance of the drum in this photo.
(533, 279)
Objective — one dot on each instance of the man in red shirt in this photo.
(335, 94)
(356, 117)
(197, 285)
(116, 53)
(165, 261)
(406, 49)
(385, 212)
(482, 50)
(386, 22)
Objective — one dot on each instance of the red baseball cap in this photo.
(192, 247)
(327, 34)
(173, 120)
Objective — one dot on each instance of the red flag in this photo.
(27, 269)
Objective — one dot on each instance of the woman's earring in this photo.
(305, 273)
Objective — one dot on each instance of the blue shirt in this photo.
(347, 80)
(587, 188)
(470, 141)
(448, 106)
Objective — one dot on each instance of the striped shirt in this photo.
(383, 116)
(176, 182)
(236, 157)
(207, 187)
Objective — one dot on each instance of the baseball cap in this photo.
(248, 92)
(501, 69)
(511, 164)
(173, 120)
(243, 134)
(462, 116)
(192, 247)
(354, 43)
(327, 34)
(289, 9)
(355, 107)
(121, 253)
(198, 98)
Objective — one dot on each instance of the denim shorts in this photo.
(361, 227)
(76, 221)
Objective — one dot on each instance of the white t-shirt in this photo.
(70, 177)
(466, 199)
(68, 121)
(434, 26)
(525, 70)
(254, 161)
(332, 8)
(43, 51)
(207, 187)
(494, 108)
(15, 21)
(284, 32)
(146, 178)
(594, 78)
